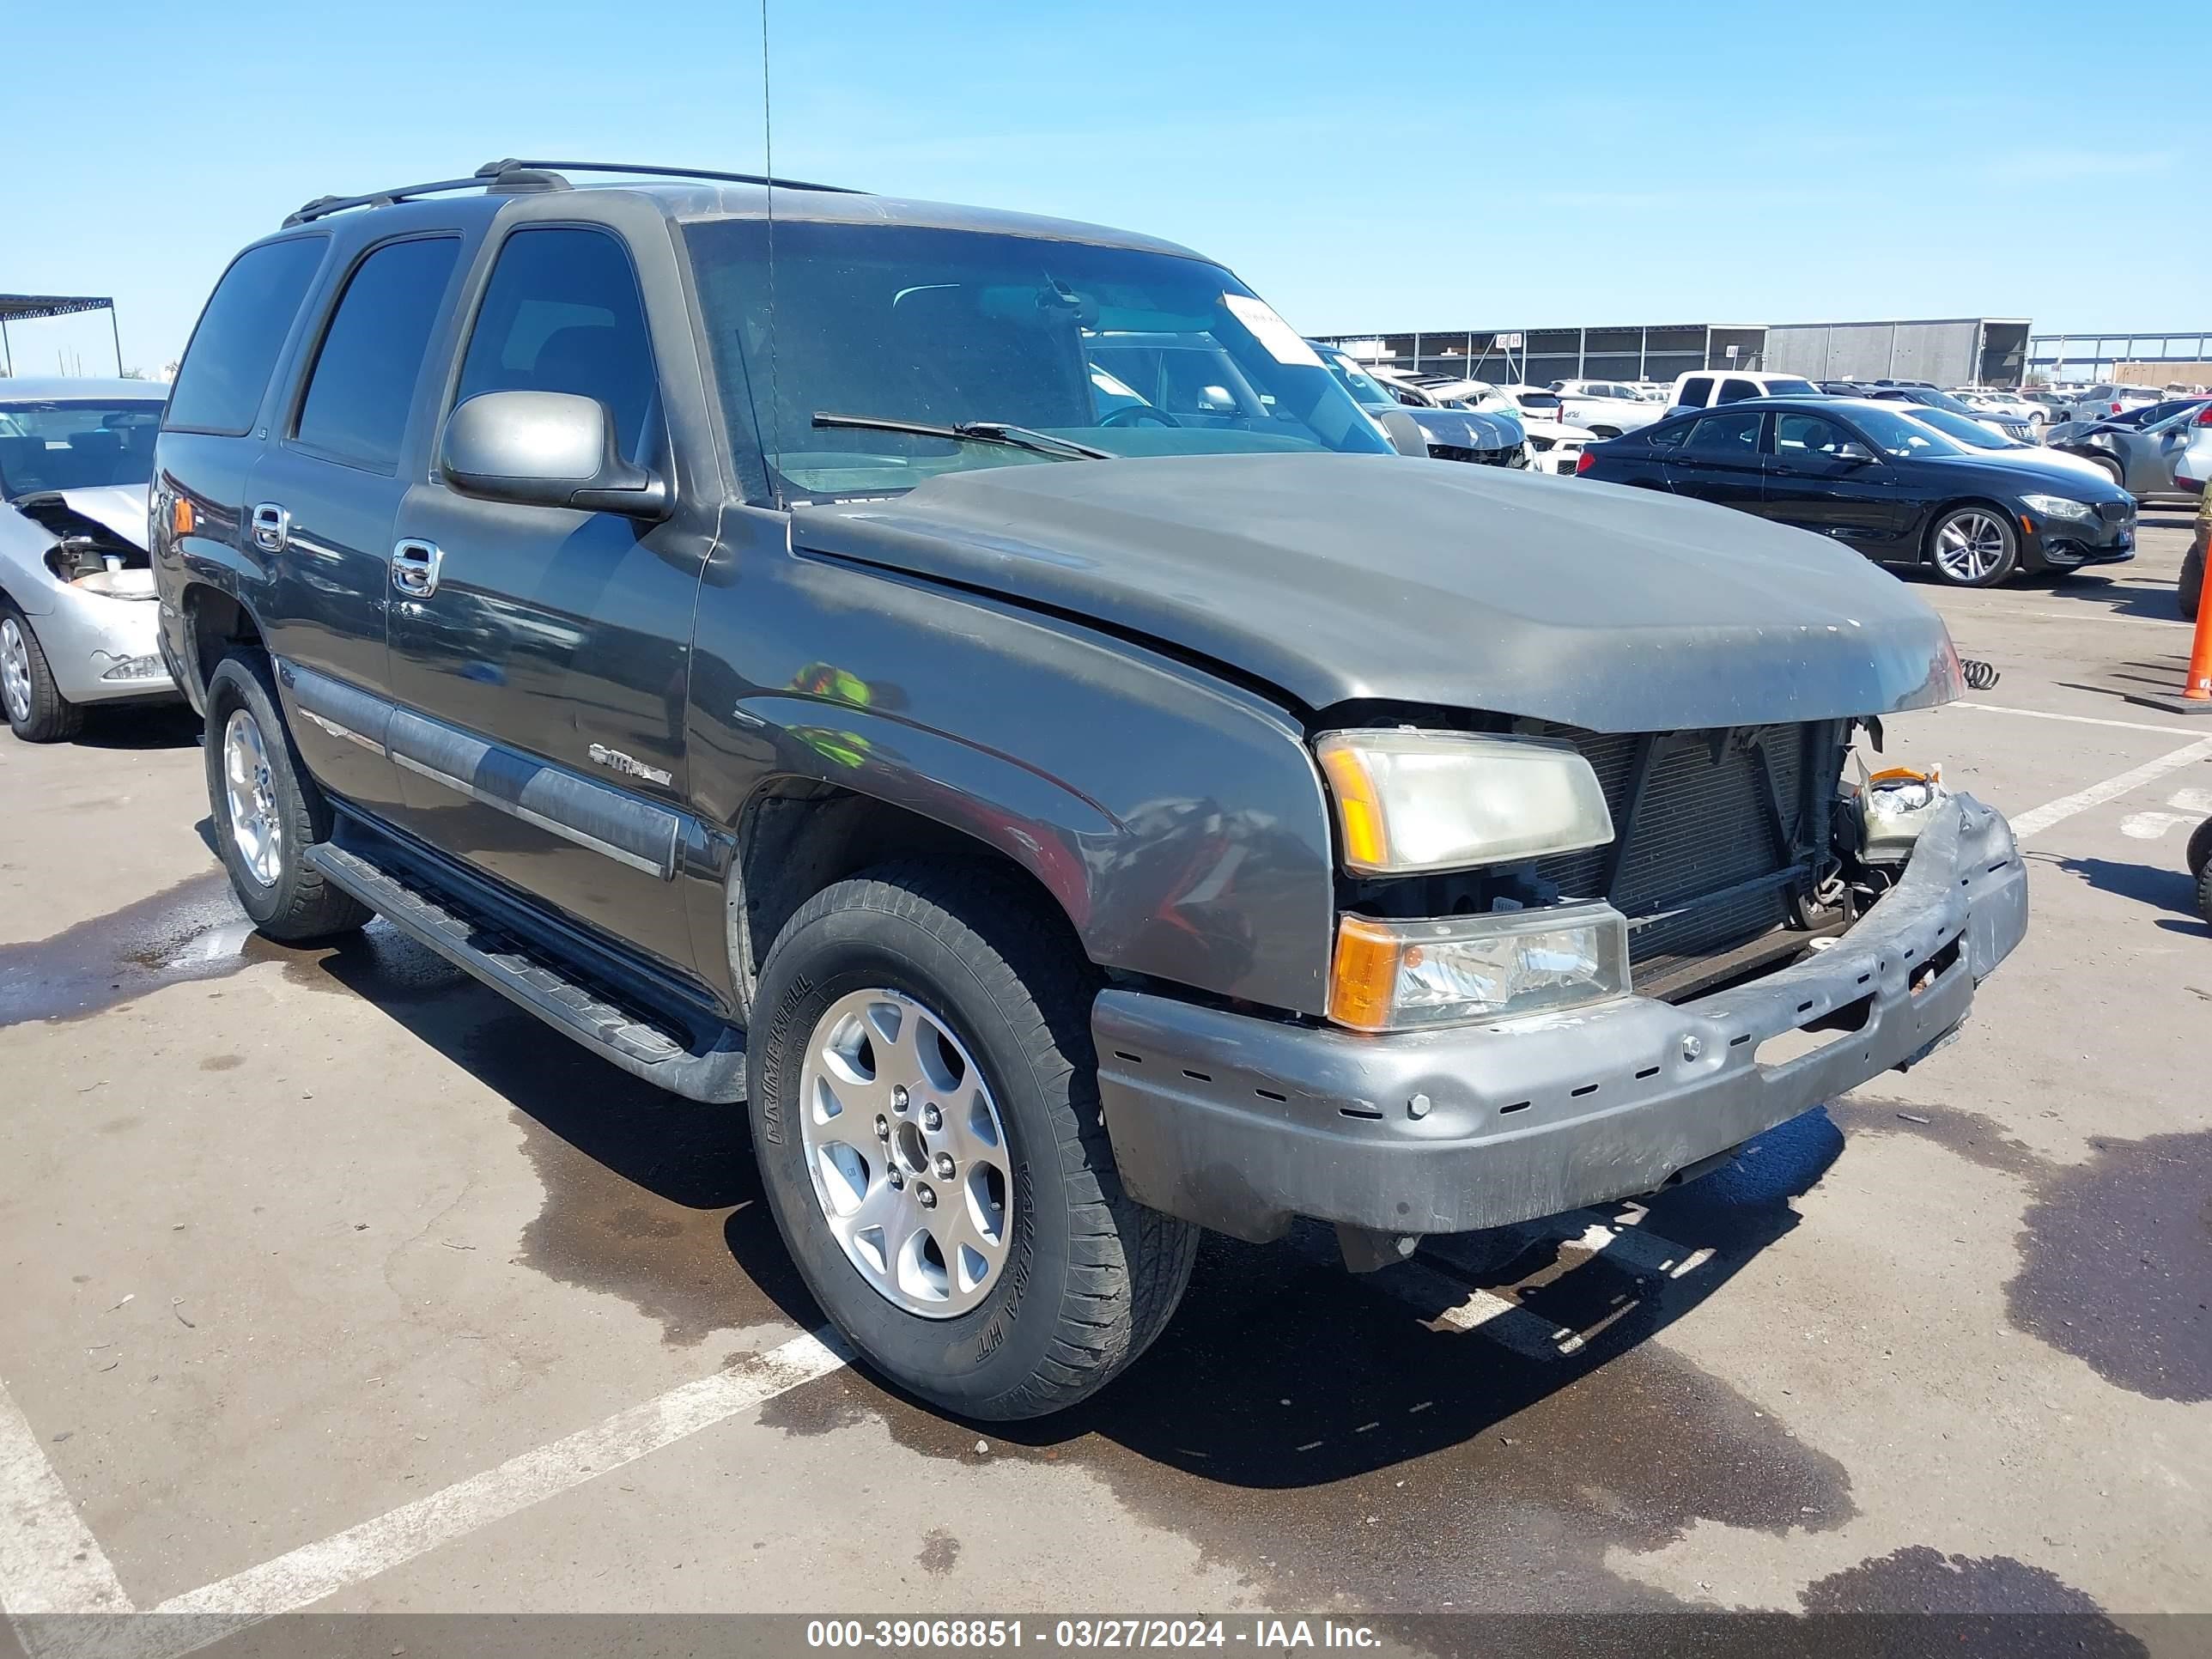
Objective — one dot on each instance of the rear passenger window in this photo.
(363, 381)
(226, 366)
(1733, 391)
(1695, 390)
(1727, 437)
(562, 313)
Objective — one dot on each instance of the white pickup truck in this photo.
(1607, 408)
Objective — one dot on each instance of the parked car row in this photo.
(1877, 476)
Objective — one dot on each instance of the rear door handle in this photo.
(414, 567)
(272, 527)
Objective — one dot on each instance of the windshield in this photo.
(1906, 436)
(1781, 385)
(1123, 349)
(1971, 433)
(1928, 399)
(1366, 391)
(67, 444)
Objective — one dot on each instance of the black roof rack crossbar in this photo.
(520, 177)
(492, 169)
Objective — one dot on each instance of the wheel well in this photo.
(798, 836)
(215, 623)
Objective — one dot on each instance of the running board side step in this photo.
(493, 954)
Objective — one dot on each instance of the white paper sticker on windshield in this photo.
(1281, 340)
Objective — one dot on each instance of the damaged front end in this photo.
(1676, 940)
(97, 618)
(89, 552)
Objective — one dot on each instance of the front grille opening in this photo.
(1718, 835)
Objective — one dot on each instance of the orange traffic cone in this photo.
(2197, 683)
(2195, 697)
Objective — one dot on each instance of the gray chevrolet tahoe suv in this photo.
(977, 690)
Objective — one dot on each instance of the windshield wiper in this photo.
(974, 432)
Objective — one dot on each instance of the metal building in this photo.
(1950, 351)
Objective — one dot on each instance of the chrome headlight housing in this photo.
(1405, 975)
(2058, 507)
(1411, 801)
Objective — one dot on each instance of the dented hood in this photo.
(119, 508)
(1344, 577)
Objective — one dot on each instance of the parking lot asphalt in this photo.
(334, 1282)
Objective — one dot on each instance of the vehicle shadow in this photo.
(2163, 887)
(1280, 1372)
(162, 725)
(2117, 598)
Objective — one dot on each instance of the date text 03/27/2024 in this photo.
(1253, 1635)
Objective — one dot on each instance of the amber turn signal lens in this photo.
(1363, 981)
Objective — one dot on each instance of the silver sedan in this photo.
(77, 610)
(2139, 459)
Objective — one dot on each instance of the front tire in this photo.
(920, 1016)
(267, 811)
(1973, 546)
(37, 711)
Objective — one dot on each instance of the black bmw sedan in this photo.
(1871, 476)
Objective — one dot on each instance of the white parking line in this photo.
(2079, 720)
(50, 1562)
(2035, 822)
(306, 1575)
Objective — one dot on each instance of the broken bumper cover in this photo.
(1241, 1123)
(99, 648)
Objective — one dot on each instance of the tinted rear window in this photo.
(226, 366)
(364, 376)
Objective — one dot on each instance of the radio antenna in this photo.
(770, 443)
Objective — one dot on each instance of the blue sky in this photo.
(1383, 166)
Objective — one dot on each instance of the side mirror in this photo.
(546, 449)
(1855, 455)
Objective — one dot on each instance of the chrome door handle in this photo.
(415, 567)
(272, 527)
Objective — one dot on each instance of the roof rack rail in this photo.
(492, 169)
(509, 180)
(513, 177)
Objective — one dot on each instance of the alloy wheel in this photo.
(1971, 546)
(906, 1152)
(15, 670)
(256, 827)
